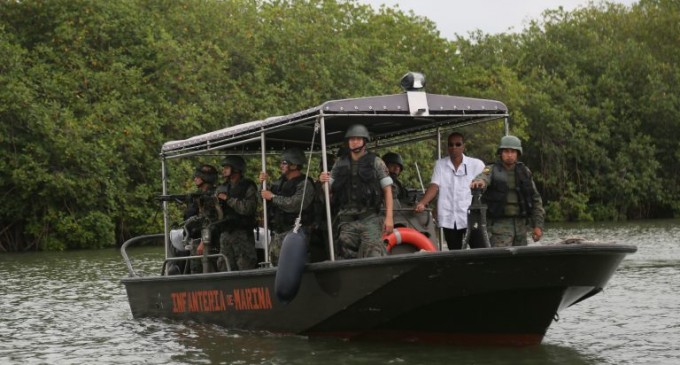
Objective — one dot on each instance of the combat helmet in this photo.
(207, 173)
(358, 130)
(235, 162)
(294, 156)
(395, 158)
(510, 142)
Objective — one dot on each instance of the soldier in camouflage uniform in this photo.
(360, 184)
(511, 196)
(395, 165)
(201, 204)
(287, 196)
(238, 198)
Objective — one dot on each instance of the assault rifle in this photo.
(182, 198)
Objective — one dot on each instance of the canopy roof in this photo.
(389, 118)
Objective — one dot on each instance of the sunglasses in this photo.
(457, 144)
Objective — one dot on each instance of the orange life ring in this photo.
(409, 236)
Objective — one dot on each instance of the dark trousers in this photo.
(454, 238)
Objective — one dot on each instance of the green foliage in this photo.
(89, 90)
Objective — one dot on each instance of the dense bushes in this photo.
(89, 90)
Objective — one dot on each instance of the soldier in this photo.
(288, 195)
(360, 184)
(511, 196)
(238, 198)
(395, 165)
(205, 177)
(202, 204)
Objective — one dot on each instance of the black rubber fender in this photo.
(291, 264)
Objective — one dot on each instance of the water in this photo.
(70, 308)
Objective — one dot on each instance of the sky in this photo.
(491, 16)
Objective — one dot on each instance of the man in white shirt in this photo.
(451, 182)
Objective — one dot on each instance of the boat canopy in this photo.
(392, 119)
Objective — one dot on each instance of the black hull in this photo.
(483, 296)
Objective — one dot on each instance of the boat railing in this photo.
(183, 258)
(123, 249)
(133, 273)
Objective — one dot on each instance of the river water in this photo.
(70, 308)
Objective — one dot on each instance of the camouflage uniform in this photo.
(207, 208)
(509, 227)
(285, 209)
(202, 203)
(237, 241)
(359, 223)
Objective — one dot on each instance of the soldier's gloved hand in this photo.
(477, 184)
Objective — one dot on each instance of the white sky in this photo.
(491, 16)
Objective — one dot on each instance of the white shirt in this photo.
(454, 196)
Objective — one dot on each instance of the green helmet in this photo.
(207, 173)
(358, 130)
(235, 162)
(395, 158)
(294, 156)
(510, 142)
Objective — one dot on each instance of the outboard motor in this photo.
(477, 235)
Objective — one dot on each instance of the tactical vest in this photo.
(496, 194)
(282, 221)
(233, 219)
(361, 188)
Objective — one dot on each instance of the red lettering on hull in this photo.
(204, 301)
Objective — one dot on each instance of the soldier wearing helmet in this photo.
(287, 195)
(360, 186)
(205, 177)
(200, 203)
(511, 196)
(395, 165)
(238, 198)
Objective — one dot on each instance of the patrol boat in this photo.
(507, 296)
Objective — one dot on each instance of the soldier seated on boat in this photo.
(238, 199)
(292, 191)
(201, 204)
(511, 196)
(395, 166)
(360, 185)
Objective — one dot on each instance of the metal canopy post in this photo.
(439, 152)
(263, 147)
(166, 221)
(326, 192)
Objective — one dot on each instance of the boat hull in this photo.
(482, 296)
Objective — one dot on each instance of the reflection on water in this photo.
(70, 308)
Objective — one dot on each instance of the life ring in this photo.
(405, 235)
